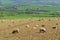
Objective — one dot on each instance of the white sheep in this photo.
(27, 26)
(36, 25)
(12, 21)
(42, 30)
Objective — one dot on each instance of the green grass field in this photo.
(53, 11)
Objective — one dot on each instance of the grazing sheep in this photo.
(49, 20)
(9, 25)
(12, 21)
(27, 26)
(36, 25)
(54, 27)
(58, 19)
(42, 30)
(43, 25)
(15, 31)
(2, 21)
(56, 23)
(42, 19)
(39, 20)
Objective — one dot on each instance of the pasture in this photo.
(29, 29)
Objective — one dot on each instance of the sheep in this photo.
(49, 20)
(42, 19)
(58, 19)
(27, 26)
(54, 27)
(39, 20)
(56, 23)
(43, 25)
(12, 21)
(16, 30)
(2, 21)
(36, 25)
(42, 30)
(9, 25)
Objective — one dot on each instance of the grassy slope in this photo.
(52, 9)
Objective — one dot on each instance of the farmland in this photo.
(28, 18)
(30, 11)
(29, 33)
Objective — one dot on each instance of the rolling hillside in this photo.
(32, 8)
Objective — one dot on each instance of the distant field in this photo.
(30, 11)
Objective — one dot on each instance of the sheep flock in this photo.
(30, 29)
